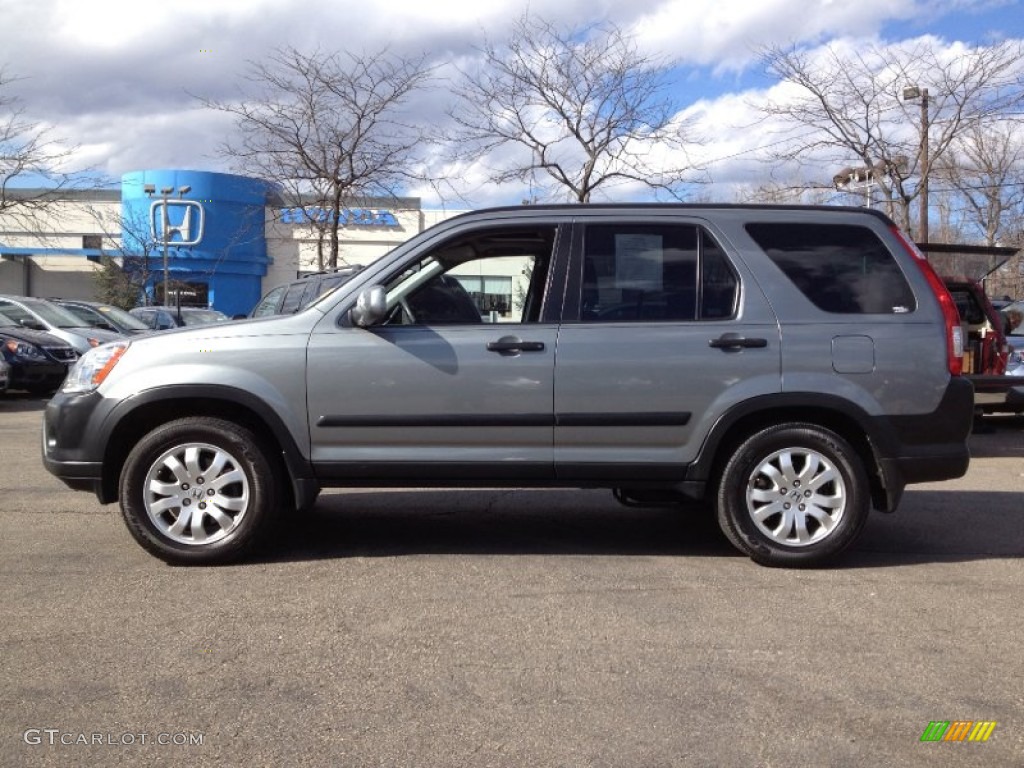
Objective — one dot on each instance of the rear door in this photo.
(663, 331)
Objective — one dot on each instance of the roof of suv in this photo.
(281, 299)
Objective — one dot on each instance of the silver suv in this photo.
(794, 367)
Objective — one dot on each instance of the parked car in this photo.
(299, 293)
(42, 315)
(803, 367)
(37, 361)
(1014, 306)
(964, 269)
(106, 316)
(165, 318)
(5, 375)
(1015, 362)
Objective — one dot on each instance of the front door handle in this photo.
(735, 341)
(515, 345)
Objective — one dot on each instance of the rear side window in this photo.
(841, 268)
(654, 272)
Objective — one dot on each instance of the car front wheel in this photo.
(793, 495)
(198, 491)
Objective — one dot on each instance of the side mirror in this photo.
(371, 307)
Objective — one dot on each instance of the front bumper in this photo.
(72, 444)
(25, 375)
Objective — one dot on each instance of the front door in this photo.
(458, 379)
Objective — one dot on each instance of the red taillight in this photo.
(954, 331)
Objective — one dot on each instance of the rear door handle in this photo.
(515, 345)
(735, 341)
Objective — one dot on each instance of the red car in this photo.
(986, 350)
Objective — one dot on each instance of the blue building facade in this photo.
(209, 225)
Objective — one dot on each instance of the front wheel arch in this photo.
(153, 408)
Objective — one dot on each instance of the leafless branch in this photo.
(581, 106)
(848, 105)
(327, 127)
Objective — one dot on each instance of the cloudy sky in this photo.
(118, 78)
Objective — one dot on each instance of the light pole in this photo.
(910, 93)
(865, 177)
(165, 193)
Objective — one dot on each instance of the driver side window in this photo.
(490, 276)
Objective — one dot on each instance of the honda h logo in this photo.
(177, 222)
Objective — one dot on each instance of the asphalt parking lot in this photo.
(510, 628)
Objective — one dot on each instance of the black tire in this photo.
(795, 511)
(217, 491)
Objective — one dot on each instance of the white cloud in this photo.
(117, 77)
(724, 34)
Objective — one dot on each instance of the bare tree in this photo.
(849, 105)
(986, 171)
(775, 193)
(582, 108)
(327, 127)
(28, 156)
(127, 250)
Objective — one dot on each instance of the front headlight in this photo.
(24, 350)
(93, 367)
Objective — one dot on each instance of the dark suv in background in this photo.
(291, 297)
(792, 366)
(38, 360)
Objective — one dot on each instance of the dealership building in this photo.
(220, 240)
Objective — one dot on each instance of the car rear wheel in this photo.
(793, 495)
(198, 490)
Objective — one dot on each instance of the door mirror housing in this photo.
(371, 307)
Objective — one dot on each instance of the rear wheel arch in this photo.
(835, 415)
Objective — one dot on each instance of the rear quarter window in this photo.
(840, 268)
(293, 297)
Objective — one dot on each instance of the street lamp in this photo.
(864, 177)
(910, 93)
(165, 193)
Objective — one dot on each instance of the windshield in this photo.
(117, 316)
(6, 322)
(50, 314)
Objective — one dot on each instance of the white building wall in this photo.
(293, 247)
(66, 224)
(62, 225)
